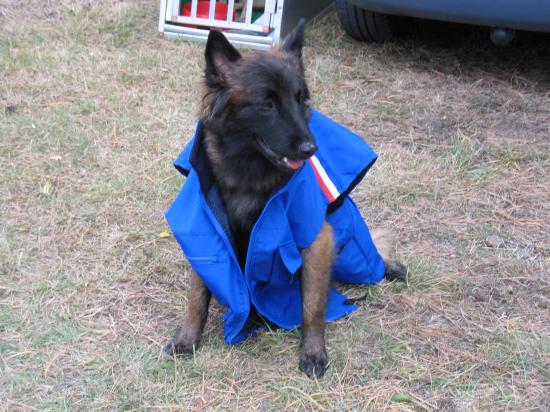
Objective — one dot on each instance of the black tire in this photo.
(363, 24)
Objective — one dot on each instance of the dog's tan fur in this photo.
(384, 241)
(317, 266)
(189, 333)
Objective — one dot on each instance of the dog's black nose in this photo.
(307, 148)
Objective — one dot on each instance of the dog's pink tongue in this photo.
(294, 164)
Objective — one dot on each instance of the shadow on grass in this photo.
(460, 49)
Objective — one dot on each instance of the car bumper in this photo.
(513, 14)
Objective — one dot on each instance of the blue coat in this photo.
(290, 222)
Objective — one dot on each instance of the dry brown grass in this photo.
(93, 109)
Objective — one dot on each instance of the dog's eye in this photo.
(269, 100)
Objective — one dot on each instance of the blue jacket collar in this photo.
(343, 172)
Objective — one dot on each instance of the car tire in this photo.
(363, 24)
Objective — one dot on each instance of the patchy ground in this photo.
(93, 109)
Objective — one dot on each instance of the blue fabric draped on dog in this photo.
(290, 222)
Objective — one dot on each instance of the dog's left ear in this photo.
(219, 55)
(294, 42)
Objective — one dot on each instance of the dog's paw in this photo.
(314, 365)
(178, 348)
(395, 271)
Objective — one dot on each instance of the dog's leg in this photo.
(189, 333)
(385, 241)
(395, 270)
(317, 265)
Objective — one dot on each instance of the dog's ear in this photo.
(294, 42)
(220, 56)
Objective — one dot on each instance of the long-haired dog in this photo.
(254, 116)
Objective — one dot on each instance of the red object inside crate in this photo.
(203, 10)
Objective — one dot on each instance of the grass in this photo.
(94, 107)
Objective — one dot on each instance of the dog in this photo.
(254, 115)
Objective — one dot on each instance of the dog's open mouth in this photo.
(293, 164)
(279, 160)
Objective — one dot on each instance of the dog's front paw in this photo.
(179, 348)
(395, 271)
(314, 365)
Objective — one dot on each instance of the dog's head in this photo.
(260, 98)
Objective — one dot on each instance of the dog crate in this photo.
(256, 24)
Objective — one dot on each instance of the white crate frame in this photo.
(252, 34)
(282, 16)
